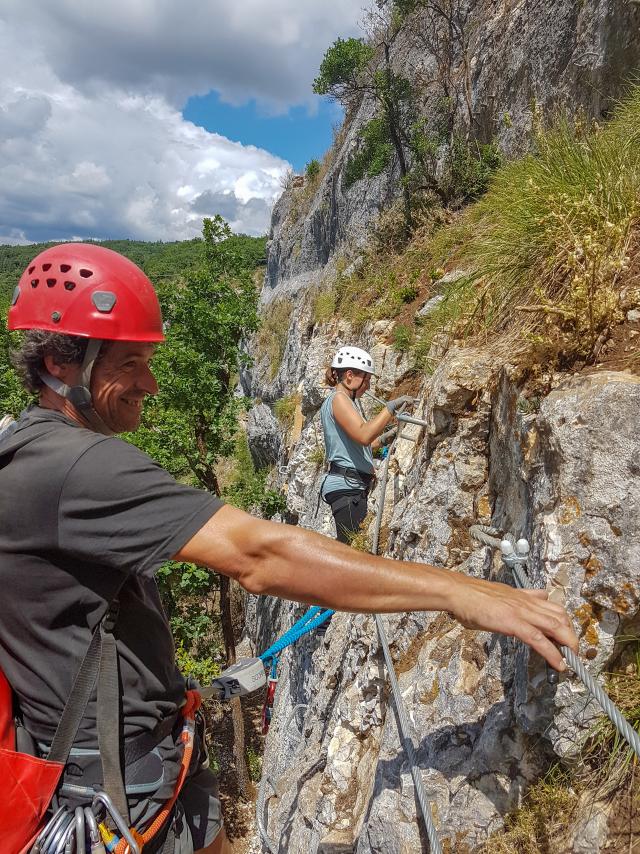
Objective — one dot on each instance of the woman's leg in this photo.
(349, 513)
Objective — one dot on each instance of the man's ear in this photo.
(67, 372)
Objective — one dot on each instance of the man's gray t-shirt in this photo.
(83, 518)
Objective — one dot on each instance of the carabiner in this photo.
(104, 799)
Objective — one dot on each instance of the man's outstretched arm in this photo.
(296, 564)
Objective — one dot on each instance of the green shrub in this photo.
(285, 409)
(402, 337)
(324, 305)
(541, 822)
(374, 154)
(407, 293)
(312, 169)
(271, 338)
(317, 456)
(254, 764)
(204, 668)
(247, 488)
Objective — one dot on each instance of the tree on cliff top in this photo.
(352, 69)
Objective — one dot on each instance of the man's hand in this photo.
(525, 614)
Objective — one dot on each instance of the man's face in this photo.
(120, 381)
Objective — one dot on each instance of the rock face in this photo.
(263, 435)
(561, 471)
(486, 717)
(514, 62)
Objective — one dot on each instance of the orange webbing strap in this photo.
(191, 705)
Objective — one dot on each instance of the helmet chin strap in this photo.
(80, 395)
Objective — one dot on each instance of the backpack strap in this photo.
(108, 715)
(100, 662)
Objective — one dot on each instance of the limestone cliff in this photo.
(559, 467)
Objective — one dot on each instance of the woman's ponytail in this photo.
(331, 377)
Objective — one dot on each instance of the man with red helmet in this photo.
(90, 519)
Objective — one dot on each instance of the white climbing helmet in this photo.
(353, 357)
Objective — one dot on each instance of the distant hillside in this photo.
(162, 262)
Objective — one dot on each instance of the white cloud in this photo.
(243, 49)
(114, 164)
(92, 141)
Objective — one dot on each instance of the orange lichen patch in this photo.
(483, 508)
(440, 627)
(458, 845)
(460, 544)
(427, 697)
(472, 651)
(588, 624)
(627, 596)
(409, 659)
(570, 511)
(592, 566)
(447, 649)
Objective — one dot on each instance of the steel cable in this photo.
(488, 536)
(404, 725)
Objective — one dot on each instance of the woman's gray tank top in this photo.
(340, 449)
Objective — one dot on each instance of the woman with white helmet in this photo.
(349, 438)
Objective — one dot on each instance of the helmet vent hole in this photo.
(31, 269)
(51, 283)
(69, 286)
(46, 267)
(86, 274)
(34, 283)
(64, 268)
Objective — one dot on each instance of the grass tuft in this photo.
(538, 827)
(271, 339)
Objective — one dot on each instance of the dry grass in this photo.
(540, 825)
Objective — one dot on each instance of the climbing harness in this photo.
(515, 556)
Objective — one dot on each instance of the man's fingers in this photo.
(537, 640)
(554, 623)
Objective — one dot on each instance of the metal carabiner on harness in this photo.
(102, 799)
(95, 840)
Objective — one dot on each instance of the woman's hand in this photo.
(398, 402)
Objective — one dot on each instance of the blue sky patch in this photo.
(296, 136)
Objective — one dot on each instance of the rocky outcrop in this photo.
(264, 436)
(487, 717)
(560, 470)
(513, 63)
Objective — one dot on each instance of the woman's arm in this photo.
(354, 425)
(291, 562)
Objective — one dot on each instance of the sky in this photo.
(137, 118)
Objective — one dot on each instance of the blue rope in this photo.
(314, 617)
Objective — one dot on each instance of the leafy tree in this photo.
(193, 420)
(434, 155)
(13, 396)
(352, 69)
(343, 71)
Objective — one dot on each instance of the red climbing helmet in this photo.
(86, 290)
